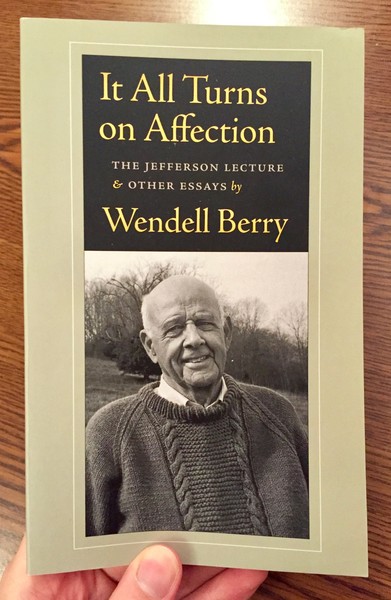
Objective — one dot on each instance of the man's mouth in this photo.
(196, 359)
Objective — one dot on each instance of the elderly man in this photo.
(196, 451)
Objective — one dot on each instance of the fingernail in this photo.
(157, 572)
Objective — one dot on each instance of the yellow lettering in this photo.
(156, 127)
(226, 219)
(121, 219)
(280, 228)
(105, 82)
(126, 126)
(241, 225)
(271, 135)
(138, 222)
(207, 134)
(195, 78)
(254, 225)
(186, 225)
(143, 88)
(261, 94)
(266, 225)
(103, 129)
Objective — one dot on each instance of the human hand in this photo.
(155, 574)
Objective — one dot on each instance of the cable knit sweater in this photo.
(239, 466)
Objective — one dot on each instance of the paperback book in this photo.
(193, 295)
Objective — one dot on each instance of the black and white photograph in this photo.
(197, 393)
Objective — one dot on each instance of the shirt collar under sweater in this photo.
(193, 412)
(169, 393)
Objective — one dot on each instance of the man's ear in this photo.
(228, 331)
(148, 345)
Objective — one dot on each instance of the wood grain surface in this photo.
(375, 17)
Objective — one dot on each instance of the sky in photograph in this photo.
(277, 279)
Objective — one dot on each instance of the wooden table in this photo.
(376, 18)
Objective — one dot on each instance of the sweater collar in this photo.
(194, 412)
(169, 393)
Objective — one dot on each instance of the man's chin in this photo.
(201, 380)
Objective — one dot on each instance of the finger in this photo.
(115, 573)
(14, 575)
(16, 584)
(154, 575)
(231, 584)
(194, 577)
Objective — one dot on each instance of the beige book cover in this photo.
(193, 294)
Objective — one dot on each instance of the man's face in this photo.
(187, 337)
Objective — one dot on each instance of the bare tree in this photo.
(248, 314)
(294, 319)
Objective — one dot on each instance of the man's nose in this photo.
(192, 335)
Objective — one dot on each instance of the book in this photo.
(202, 185)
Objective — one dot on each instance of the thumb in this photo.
(155, 574)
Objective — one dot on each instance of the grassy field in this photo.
(104, 383)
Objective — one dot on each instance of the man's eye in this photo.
(174, 330)
(205, 325)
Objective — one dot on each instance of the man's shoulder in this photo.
(273, 408)
(108, 418)
(273, 400)
(115, 407)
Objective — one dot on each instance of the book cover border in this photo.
(52, 180)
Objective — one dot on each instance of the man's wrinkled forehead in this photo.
(181, 299)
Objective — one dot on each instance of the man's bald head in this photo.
(180, 285)
(186, 333)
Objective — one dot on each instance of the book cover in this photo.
(192, 227)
